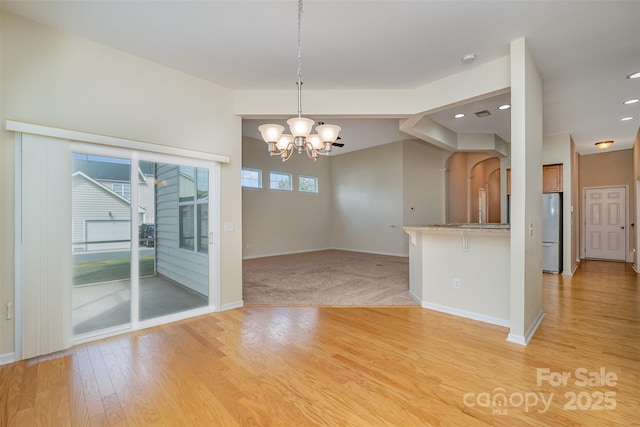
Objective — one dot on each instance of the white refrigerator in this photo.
(552, 232)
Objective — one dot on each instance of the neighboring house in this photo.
(182, 227)
(117, 178)
(99, 215)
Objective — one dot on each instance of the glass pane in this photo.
(280, 181)
(187, 182)
(203, 184)
(101, 245)
(186, 227)
(146, 220)
(174, 277)
(203, 228)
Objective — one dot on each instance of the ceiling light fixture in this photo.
(635, 75)
(301, 139)
(504, 107)
(458, 116)
(631, 101)
(624, 119)
(603, 145)
(468, 58)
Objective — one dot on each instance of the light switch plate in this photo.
(228, 226)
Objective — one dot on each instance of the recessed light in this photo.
(459, 116)
(468, 58)
(624, 119)
(631, 101)
(504, 107)
(635, 75)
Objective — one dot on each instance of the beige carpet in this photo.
(332, 277)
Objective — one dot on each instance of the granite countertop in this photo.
(475, 227)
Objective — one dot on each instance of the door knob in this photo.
(622, 228)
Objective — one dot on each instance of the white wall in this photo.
(367, 200)
(481, 264)
(278, 222)
(423, 168)
(526, 188)
(60, 80)
(636, 191)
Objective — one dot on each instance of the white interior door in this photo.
(605, 218)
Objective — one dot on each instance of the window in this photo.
(280, 181)
(123, 190)
(308, 184)
(194, 208)
(251, 178)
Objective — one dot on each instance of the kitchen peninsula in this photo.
(462, 269)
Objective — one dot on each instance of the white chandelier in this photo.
(282, 144)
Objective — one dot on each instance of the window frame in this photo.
(199, 243)
(271, 181)
(242, 179)
(122, 189)
(315, 184)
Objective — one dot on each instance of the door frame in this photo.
(583, 233)
(135, 156)
(107, 144)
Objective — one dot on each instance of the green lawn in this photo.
(106, 270)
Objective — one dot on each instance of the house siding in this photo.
(93, 203)
(186, 267)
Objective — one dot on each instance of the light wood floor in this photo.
(371, 366)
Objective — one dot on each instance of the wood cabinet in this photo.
(551, 179)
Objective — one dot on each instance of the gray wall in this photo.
(363, 195)
(276, 222)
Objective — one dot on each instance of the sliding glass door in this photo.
(140, 240)
(101, 245)
(173, 239)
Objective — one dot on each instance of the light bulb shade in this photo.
(603, 145)
(300, 126)
(314, 140)
(328, 133)
(270, 132)
(284, 141)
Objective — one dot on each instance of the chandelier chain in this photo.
(301, 138)
(299, 58)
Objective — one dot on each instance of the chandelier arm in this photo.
(312, 153)
(287, 152)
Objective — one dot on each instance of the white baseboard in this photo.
(322, 249)
(403, 255)
(412, 295)
(467, 314)
(232, 305)
(284, 253)
(7, 358)
(524, 340)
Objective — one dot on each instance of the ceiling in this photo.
(583, 49)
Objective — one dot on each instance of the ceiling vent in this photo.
(483, 113)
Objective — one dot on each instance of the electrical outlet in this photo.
(456, 283)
